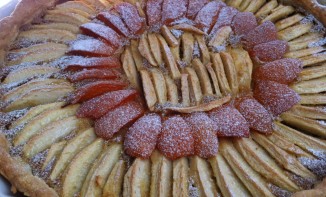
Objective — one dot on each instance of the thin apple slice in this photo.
(203, 176)
(220, 38)
(256, 184)
(230, 71)
(130, 68)
(185, 92)
(53, 153)
(155, 48)
(304, 52)
(201, 107)
(267, 167)
(78, 168)
(288, 22)
(51, 35)
(98, 4)
(313, 59)
(180, 177)
(214, 79)
(264, 10)
(204, 52)
(149, 90)
(114, 184)
(91, 48)
(92, 63)
(313, 72)
(312, 86)
(160, 85)
(154, 12)
(53, 133)
(172, 90)
(188, 43)
(279, 14)
(100, 171)
(225, 175)
(315, 113)
(137, 179)
(304, 41)
(203, 76)
(115, 22)
(161, 176)
(145, 51)
(66, 17)
(73, 147)
(43, 119)
(220, 73)
(188, 28)
(79, 5)
(255, 5)
(136, 54)
(57, 25)
(313, 99)
(235, 3)
(70, 10)
(168, 36)
(194, 85)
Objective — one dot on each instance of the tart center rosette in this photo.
(191, 73)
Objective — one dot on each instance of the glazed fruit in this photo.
(270, 51)
(94, 74)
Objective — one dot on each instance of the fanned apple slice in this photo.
(306, 142)
(185, 92)
(172, 90)
(194, 85)
(180, 177)
(312, 86)
(169, 59)
(176, 51)
(66, 17)
(73, 147)
(53, 153)
(51, 35)
(136, 54)
(235, 3)
(244, 67)
(313, 99)
(78, 168)
(294, 31)
(37, 53)
(279, 14)
(137, 179)
(188, 28)
(201, 107)
(304, 41)
(305, 124)
(304, 52)
(129, 68)
(188, 42)
(220, 37)
(145, 50)
(149, 90)
(254, 6)
(203, 177)
(224, 176)
(168, 36)
(39, 96)
(313, 59)
(203, 76)
(155, 48)
(315, 113)
(220, 73)
(267, 167)
(91, 47)
(213, 76)
(79, 5)
(35, 111)
(204, 52)
(264, 10)
(57, 25)
(289, 21)
(114, 183)
(43, 119)
(52, 133)
(230, 71)
(255, 184)
(70, 10)
(160, 85)
(28, 72)
(100, 171)
(161, 176)
(92, 63)
(98, 4)
(313, 72)
(288, 161)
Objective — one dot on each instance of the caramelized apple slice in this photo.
(95, 89)
(91, 47)
(115, 22)
(224, 18)
(194, 6)
(279, 14)
(220, 38)
(188, 28)
(176, 138)
(172, 90)
(160, 85)
(141, 138)
(154, 11)
(130, 16)
(220, 73)
(244, 22)
(114, 120)
(114, 184)
(97, 107)
(145, 51)
(136, 55)
(173, 10)
(56, 25)
(194, 85)
(130, 69)
(282, 71)
(188, 42)
(94, 74)
(275, 97)
(202, 73)
(256, 115)
(230, 122)
(265, 32)
(207, 16)
(155, 48)
(101, 31)
(230, 71)
(93, 63)
(149, 90)
(270, 51)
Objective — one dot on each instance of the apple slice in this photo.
(115, 22)
(51, 35)
(203, 76)
(188, 28)
(101, 31)
(130, 69)
(172, 90)
(149, 90)
(57, 25)
(92, 63)
(173, 10)
(97, 107)
(145, 51)
(95, 89)
(169, 37)
(207, 16)
(194, 85)
(160, 85)
(114, 184)
(230, 71)
(91, 48)
(188, 43)
(180, 177)
(94, 74)
(114, 120)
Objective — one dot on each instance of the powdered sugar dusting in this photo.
(318, 166)
(279, 192)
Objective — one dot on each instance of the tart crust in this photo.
(17, 172)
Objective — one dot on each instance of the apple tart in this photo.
(164, 98)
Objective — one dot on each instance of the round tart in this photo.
(164, 98)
